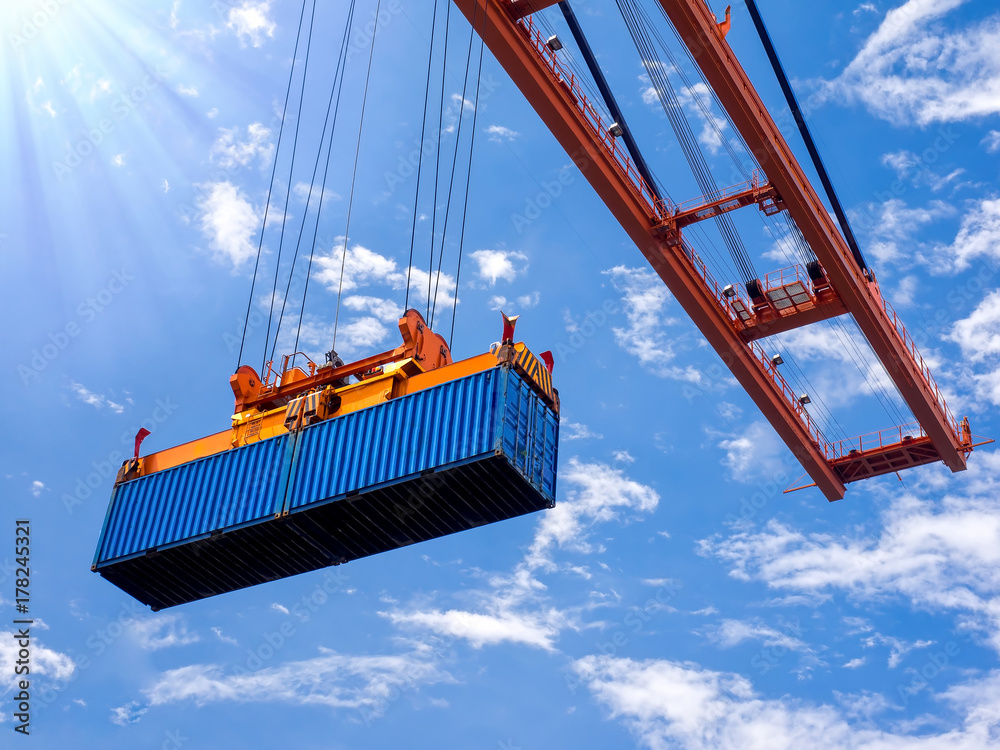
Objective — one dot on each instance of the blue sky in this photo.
(675, 597)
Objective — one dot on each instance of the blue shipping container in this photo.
(475, 450)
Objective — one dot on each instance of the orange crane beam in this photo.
(563, 108)
(705, 38)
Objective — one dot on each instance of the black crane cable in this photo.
(284, 216)
(817, 160)
(805, 252)
(312, 181)
(341, 68)
(682, 129)
(671, 104)
(468, 177)
(437, 161)
(609, 98)
(451, 182)
(420, 156)
(270, 187)
(354, 174)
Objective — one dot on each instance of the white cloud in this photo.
(301, 191)
(224, 638)
(96, 400)
(386, 310)
(166, 186)
(699, 102)
(912, 167)
(499, 264)
(231, 153)
(893, 227)
(855, 663)
(362, 683)
(979, 338)
(279, 608)
(645, 298)
(992, 141)
(758, 451)
(229, 222)
(898, 648)
(361, 268)
(839, 365)
(212, 113)
(365, 267)
(914, 71)
(360, 334)
(118, 160)
(978, 236)
(37, 487)
(979, 334)
(514, 609)
(44, 661)
(499, 134)
(250, 22)
(162, 631)
(731, 633)
(524, 302)
(668, 704)
(187, 90)
(486, 629)
(598, 494)
(623, 457)
(577, 431)
(940, 555)
(128, 714)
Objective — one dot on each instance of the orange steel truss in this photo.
(655, 227)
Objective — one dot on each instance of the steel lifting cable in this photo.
(437, 161)
(769, 221)
(468, 176)
(288, 192)
(312, 181)
(798, 241)
(682, 129)
(270, 187)
(688, 142)
(451, 182)
(354, 174)
(702, 106)
(420, 156)
(341, 68)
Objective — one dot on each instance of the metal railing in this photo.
(785, 276)
(888, 437)
(911, 347)
(763, 361)
(593, 118)
(733, 191)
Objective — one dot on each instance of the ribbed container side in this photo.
(427, 430)
(189, 501)
(530, 436)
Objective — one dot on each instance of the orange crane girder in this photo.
(699, 29)
(558, 105)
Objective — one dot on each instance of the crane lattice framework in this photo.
(731, 322)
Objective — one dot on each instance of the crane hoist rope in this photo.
(672, 107)
(354, 177)
(288, 186)
(270, 187)
(454, 163)
(437, 158)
